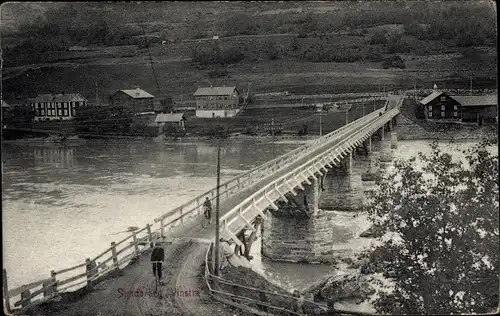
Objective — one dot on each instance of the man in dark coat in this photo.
(157, 258)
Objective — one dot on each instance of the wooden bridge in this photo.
(248, 200)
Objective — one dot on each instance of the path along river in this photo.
(64, 204)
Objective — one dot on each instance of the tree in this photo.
(445, 258)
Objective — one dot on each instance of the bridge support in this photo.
(343, 188)
(298, 237)
(394, 139)
(299, 231)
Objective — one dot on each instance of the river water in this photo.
(64, 204)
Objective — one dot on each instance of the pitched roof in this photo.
(137, 93)
(5, 104)
(66, 97)
(476, 100)
(171, 117)
(431, 97)
(215, 91)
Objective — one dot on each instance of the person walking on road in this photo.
(207, 211)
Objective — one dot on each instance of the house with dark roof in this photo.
(215, 102)
(443, 107)
(62, 106)
(137, 100)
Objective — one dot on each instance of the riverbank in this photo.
(408, 129)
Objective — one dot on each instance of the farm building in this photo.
(170, 123)
(439, 106)
(49, 107)
(137, 100)
(217, 102)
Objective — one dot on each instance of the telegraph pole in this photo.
(346, 113)
(96, 94)
(272, 133)
(216, 263)
(320, 124)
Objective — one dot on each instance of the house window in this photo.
(442, 107)
(455, 107)
(225, 98)
(430, 114)
(42, 112)
(455, 113)
(429, 108)
(442, 113)
(73, 110)
(442, 99)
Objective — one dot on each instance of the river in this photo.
(64, 204)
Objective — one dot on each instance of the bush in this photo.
(377, 38)
(394, 62)
(414, 29)
(217, 73)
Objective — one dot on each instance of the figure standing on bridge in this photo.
(157, 258)
(207, 211)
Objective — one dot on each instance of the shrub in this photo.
(377, 38)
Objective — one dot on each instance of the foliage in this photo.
(444, 257)
(394, 62)
(215, 55)
(240, 24)
(114, 120)
(377, 38)
(272, 50)
(414, 29)
(323, 53)
(397, 44)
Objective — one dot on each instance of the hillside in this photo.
(300, 47)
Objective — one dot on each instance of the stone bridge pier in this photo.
(299, 231)
(342, 187)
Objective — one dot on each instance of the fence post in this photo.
(162, 228)
(136, 245)
(6, 291)
(54, 284)
(47, 288)
(150, 236)
(88, 268)
(182, 217)
(113, 253)
(25, 295)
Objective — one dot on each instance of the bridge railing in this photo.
(85, 274)
(237, 218)
(193, 207)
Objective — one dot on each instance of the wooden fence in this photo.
(260, 301)
(85, 274)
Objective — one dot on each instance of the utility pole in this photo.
(216, 263)
(320, 124)
(470, 78)
(272, 132)
(346, 113)
(96, 94)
